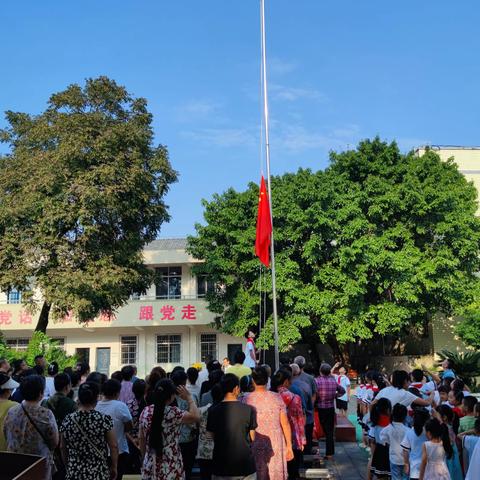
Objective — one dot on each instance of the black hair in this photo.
(379, 379)
(213, 365)
(459, 396)
(96, 377)
(450, 363)
(4, 378)
(88, 393)
(39, 370)
(325, 369)
(420, 417)
(32, 387)
(215, 376)
(38, 357)
(469, 403)
(458, 385)
(246, 384)
(75, 378)
(111, 388)
(417, 375)
(447, 382)
(53, 369)
(440, 431)
(228, 383)
(127, 372)
(443, 389)
(447, 412)
(369, 374)
(179, 378)
(117, 375)
(279, 379)
(217, 394)
(83, 368)
(382, 407)
(16, 365)
(61, 381)
(163, 392)
(399, 413)
(178, 368)
(138, 389)
(260, 376)
(399, 377)
(192, 375)
(239, 357)
(415, 391)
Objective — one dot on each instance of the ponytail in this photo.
(440, 431)
(447, 445)
(420, 417)
(164, 390)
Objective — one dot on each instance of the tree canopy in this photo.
(377, 242)
(81, 192)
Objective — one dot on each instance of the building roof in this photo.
(167, 244)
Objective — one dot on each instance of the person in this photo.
(87, 437)
(122, 420)
(213, 379)
(19, 366)
(239, 368)
(310, 381)
(160, 431)
(135, 407)
(250, 350)
(272, 446)
(4, 366)
(7, 386)
(187, 438)
(52, 370)
(448, 418)
(467, 422)
(225, 364)
(40, 362)
(379, 420)
(246, 387)
(155, 375)
(232, 425)
(126, 393)
(205, 440)
(455, 400)
(327, 391)
(206, 386)
(469, 442)
(412, 444)
(473, 472)
(435, 452)
(392, 436)
(83, 369)
(280, 384)
(398, 392)
(59, 403)
(192, 382)
(443, 391)
(30, 428)
(344, 381)
(304, 390)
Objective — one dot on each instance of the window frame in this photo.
(121, 349)
(168, 279)
(202, 343)
(169, 343)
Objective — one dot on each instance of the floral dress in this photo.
(295, 417)
(436, 465)
(269, 448)
(169, 466)
(86, 459)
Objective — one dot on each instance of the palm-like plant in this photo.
(466, 365)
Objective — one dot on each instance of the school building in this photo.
(170, 325)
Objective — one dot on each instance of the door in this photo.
(83, 355)
(103, 360)
(232, 349)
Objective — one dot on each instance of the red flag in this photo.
(264, 226)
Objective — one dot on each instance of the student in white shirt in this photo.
(412, 444)
(343, 381)
(393, 435)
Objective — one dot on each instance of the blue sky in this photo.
(339, 71)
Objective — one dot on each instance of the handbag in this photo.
(57, 457)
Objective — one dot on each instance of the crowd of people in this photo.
(234, 421)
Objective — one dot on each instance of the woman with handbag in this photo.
(87, 436)
(30, 428)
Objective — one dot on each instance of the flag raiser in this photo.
(264, 226)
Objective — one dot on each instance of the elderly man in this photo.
(327, 391)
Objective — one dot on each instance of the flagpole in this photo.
(267, 155)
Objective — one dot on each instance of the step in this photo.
(344, 430)
(316, 473)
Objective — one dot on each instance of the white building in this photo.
(168, 326)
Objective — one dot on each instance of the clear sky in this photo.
(339, 71)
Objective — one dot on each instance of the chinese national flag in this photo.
(264, 226)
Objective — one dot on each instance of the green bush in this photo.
(40, 344)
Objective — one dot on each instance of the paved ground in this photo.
(350, 462)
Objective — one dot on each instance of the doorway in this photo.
(103, 360)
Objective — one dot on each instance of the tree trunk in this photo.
(42, 323)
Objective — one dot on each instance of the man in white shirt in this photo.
(122, 420)
(250, 352)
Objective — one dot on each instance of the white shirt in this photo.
(396, 395)
(343, 381)
(249, 361)
(49, 388)
(474, 465)
(194, 389)
(393, 434)
(120, 415)
(413, 445)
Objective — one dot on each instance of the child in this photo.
(469, 443)
(392, 435)
(446, 415)
(455, 402)
(344, 381)
(435, 452)
(443, 392)
(412, 444)
(467, 422)
(379, 419)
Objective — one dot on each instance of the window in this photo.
(168, 282)
(83, 354)
(129, 350)
(18, 343)
(208, 345)
(60, 341)
(168, 348)
(14, 296)
(204, 285)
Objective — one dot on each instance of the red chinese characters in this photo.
(189, 312)
(168, 312)
(146, 313)
(25, 318)
(5, 317)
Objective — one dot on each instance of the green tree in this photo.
(377, 242)
(81, 192)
